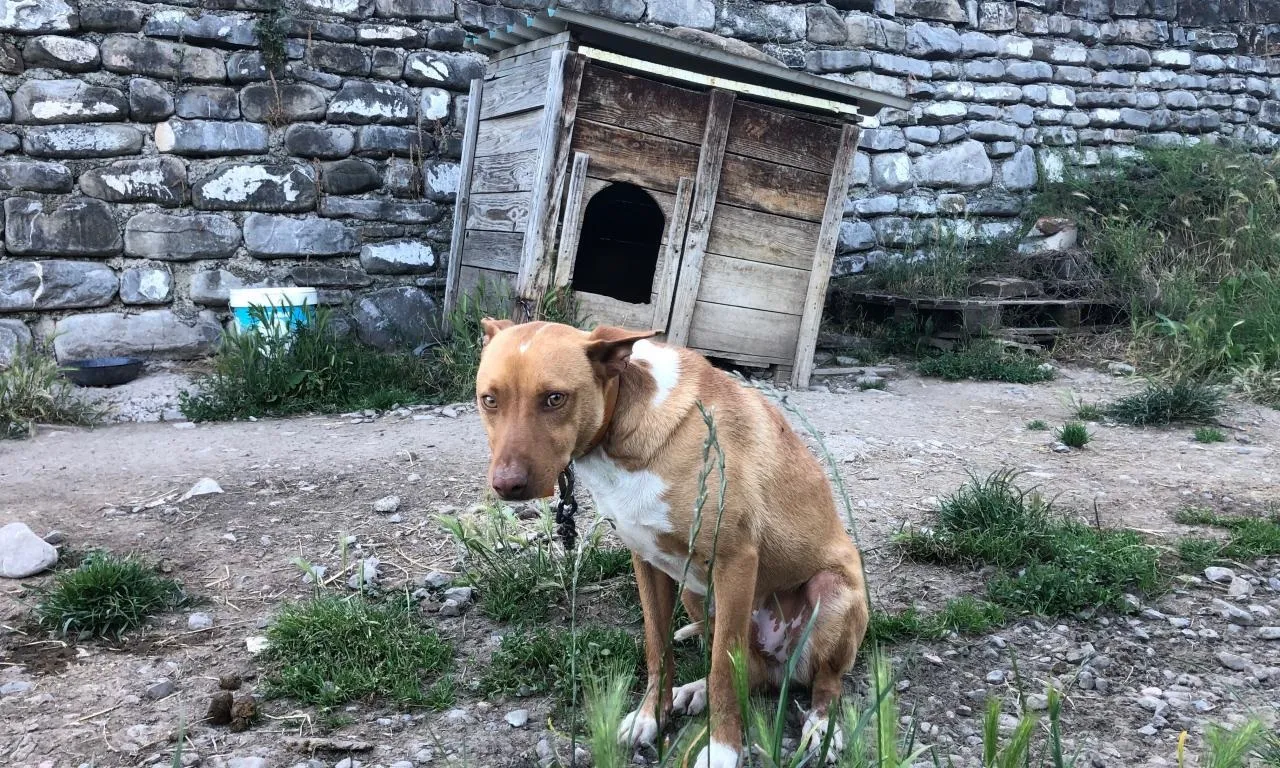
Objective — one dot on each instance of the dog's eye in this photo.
(555, 400)
(489, 401)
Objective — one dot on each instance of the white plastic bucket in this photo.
(283, 308)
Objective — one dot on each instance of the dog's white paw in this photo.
(638, 728)
(717, 755)
(815, 731)
(690, 699)
(688, 631)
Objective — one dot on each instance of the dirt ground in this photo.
(295, 487)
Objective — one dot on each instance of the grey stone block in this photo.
(760, 23)
(210, 138)
(256, 187)
(128, 55)
(283, 102)
(937, 10)
(146, 285)
(149, 102)
(53, 284)
(417, 10)
(930, 42)
(392, 211)
(208, 102)
(316, 276)
(363, 103)
(395, 35)
(826, 26)
(386, 63)
(398, 257)
(964, 166)
(349, 177)
(441, 181)
(891, 172)
(161, 180)
(82, 141)
(153, 334)
(207, 28)
(15, 338)
(212, 287)
(180, 238)
(280, 236)
(321, 142)
(347, 9)
(453, 38)
(401, 317)
(246, 67)
(79, 228)
(339, 59)
(110, 18)
(855, 236)
(19, 175)
(433, 104)
(10, 59)
(993, 130)
(33, 18)
(696, 14)
(383, 141)
(45, 102)
(68, 54)
(453, 71)
(867, 31)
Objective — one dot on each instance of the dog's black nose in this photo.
(511, 482)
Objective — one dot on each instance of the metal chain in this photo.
(566, 528)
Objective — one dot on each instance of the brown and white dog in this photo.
(623, 409)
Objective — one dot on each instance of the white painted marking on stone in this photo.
(435, 103)
(238, 183)
(129, 183)
(434, 69)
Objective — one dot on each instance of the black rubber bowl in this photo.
(103, 371)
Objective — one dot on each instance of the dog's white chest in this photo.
(633, 501)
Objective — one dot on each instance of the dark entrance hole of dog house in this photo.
(619, 245)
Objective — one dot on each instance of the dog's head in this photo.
(542, 392)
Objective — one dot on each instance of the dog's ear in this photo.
(610, 348)
(491, 328)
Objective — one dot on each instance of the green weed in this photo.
(1249, 538)
(330, 650)
(106, 596)
(1209, 435)
(1037, 425)
(539, 660)
(1177, 402)
(519, 577)
(1047, 566)
(1074, 434)
(985, 360)
(964, 615)
(32, 391)
(1089, 412)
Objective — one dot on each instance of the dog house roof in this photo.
(666, 56)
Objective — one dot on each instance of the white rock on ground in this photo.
(203, 487)
(198, 621)
(22, 553)
(1219, 575)
(387, 504)
(517, 718)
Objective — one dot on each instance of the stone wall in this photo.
(154, 155)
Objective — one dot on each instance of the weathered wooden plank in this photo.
(492, 250)
(752, 284)
(706, 185)
(536, 261)
(571, 227)
(469, 137)
(521, 55)
(504, 173)
(514, 133)
(604, 310)
(516, 91)
(620, 154)
(669, 261)
(731, 330)
(611, 97)
(811, 315)
(500, 211)
(773, 188)
(495, 283)
(763, 237)
(766, 134)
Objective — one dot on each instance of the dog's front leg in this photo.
(734, 579)
(658, 601)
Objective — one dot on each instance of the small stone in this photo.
(268, 236)
(517, 718)
(203, 487)
(149, 102)
(22, 553)
(460, 595)
(160, 689)
(437, 580)
(1037, 702)
(1240, 588)
(1219, 575)
(15, 687)
(1233, 661)
(319, 142)
(146, 285)
(1269, 633)
(199, 621)
(450, 608)
(230, 682)
(387, 504)
(1120, 369)
(256, 644)
(363, 103)
(68, 54)
(995, 677)
(56, 538)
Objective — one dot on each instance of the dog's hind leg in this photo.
(833, 646)
(694, 608)
(658, 601)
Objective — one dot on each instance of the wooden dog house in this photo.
(669, 184)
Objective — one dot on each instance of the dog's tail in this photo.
(688, 631)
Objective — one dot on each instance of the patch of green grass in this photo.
(1249, 538)
(1074, 434)
(1089, 412)
(964, 615)
(32, 391)
(1037, 425)
(1046, 565)
(1209, 435)
(105, 596)
(331, 650)
(541, 660)
(984, 361)
(518, 579)
(1177, 402)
